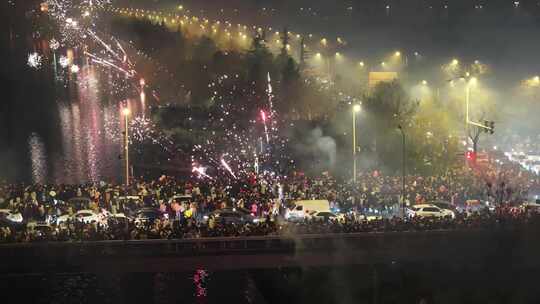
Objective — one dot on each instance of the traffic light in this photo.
(471, 157)
(489, 126)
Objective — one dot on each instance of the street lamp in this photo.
(401, 58)
(472, 81)
(126, 112)
(356, 108)
(469, 81)
(143, 96)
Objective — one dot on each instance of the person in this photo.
(254, 209)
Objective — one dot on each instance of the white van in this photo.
(302, 209)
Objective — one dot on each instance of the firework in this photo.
(201, 171)
(54, 44)
(227, 167)
(74, 69)
(263, 116)
(143, 130)
(34, 60)
(64, 61)
(107, 63)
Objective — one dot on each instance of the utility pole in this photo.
(302, 54)
(402, 169)
(126, 113)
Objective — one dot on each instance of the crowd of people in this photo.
(266, 198)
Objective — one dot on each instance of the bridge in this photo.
(520, 248)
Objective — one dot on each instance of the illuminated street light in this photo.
(469, 82)
(424, 82)
(361, 63)
(455, 61)
(397, 53)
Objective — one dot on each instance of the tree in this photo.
(432, 147)
(259, 62)
(386, 108)
(474, 133)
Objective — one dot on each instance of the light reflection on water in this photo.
(38, 158)
(90, 131)
(414, 283)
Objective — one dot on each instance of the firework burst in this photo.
(34, 60)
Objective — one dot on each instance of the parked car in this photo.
(85, 216)
(531, 207)
(445, 205)
(367, 215)
(130, 204)
(109, 217)
(10, 216)
(325, 215)
(146, 216)
(232, 215)
(299, 210)
(428, 210)
(180, 198)
(79, 202)
(42, 231)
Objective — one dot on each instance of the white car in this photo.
(11, 216)
(427, 210)
(297, 214)
(85, 216)
(88, 216)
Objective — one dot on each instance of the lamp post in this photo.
(142, 83)
(356, 109)
(402, 169)
(469, 81)
(125, 113)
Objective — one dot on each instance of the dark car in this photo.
(147, 216)
(231, 215)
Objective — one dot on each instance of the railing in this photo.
(455, 246)
(223, 245)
